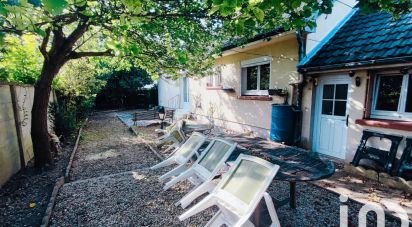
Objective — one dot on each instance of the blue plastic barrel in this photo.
(282, 128)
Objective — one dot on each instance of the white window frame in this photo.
(400, 114)
(215, 80)
(250, 63)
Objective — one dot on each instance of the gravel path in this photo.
(317, 207)
(133, 198)
(114, 187)
(108, 147)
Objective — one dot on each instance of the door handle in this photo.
(347, 120)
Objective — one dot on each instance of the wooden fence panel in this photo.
(25, 104)
(9, 148)
(16, 103)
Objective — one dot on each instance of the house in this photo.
(236, 96)
(174, 94)
(359, 79)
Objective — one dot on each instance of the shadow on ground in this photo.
(114, 186)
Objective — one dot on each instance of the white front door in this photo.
(185, 94)
(331, 116)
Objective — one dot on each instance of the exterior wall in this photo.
(169, 92)
(326, 24)
(9, 141)
(355, 110)
(246, 115)
(326, 27)
(307, 108)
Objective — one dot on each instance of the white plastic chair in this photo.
(167, 129)
(174, 135)
(239, 192)
(182, 155)
(207, 165)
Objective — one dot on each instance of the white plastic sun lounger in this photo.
(239, 192)
(182, 155)
(175, 135)
(207, 165)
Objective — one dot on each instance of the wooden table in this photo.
(296, 165)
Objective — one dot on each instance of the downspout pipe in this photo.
(298, 89)
(301, 55)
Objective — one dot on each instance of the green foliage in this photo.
(161, 37)
(54, 6)
(165, 37)
(253, 16)
(394, 7)
(76, 87)
(78, 80)
(126, 88)
(64, 120)
(20, 60)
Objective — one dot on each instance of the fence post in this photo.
(17, 123)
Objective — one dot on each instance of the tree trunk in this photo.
(60, 52)
(39, 127)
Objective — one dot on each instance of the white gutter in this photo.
(358, 68)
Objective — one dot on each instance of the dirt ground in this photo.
(32, 187)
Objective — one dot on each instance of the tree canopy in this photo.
(20, 60)
(162, 35)
(159, 36)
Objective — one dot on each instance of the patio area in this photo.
(111, 184)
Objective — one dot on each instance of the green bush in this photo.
(63, 119)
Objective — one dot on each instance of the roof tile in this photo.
(367, 37)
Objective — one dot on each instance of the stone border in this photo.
(384, 178)
(118, 117)
(106, 111)
(46, 218)
(160, 156)
(61, 181)
(69, 165)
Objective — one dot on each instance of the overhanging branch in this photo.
(77, 55)
(43, 46)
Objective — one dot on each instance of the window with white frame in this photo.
(256, 76)
(392, 97)
(215, 78)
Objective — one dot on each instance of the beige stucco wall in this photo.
(355, 111)
(307, 108)
(246, 115)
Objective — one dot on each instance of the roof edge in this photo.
(325, 40)
(360, 64)
(255, 38)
